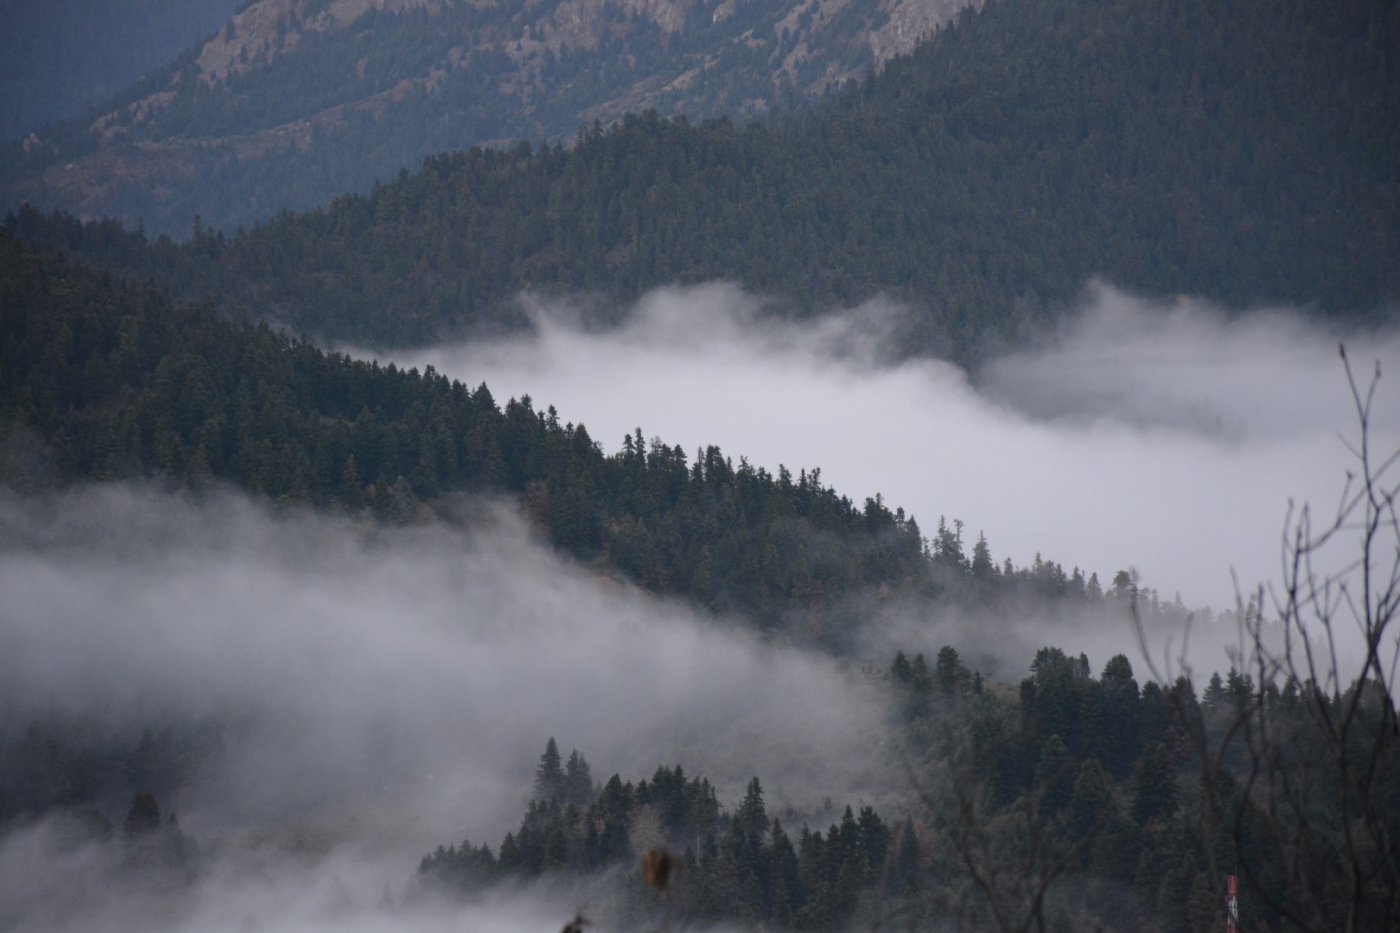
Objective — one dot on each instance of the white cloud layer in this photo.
(1166, 438)
(395, 686)
(392, 689)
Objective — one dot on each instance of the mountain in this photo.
(296, 101)
(1105, 797)
(104, 379)
(313, 695)
(1242, 151)
(60, 58)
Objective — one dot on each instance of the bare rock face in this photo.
(270, 28)
(295, 101)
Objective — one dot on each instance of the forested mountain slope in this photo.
(296, 101)
(113, 380)
(1070, 799)
(1239, 150)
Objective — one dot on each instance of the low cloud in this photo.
(389, 690)
(1168, 438)
(50, 880)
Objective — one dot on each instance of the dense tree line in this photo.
(56, 763)
(1241, 150)
(1072, 800)
(719, 867)
(1079, 800)
(1069, 800)
(118, 381)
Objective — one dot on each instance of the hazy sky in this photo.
(1166, 438)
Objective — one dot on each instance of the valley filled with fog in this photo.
(1167, 437)
(377, 691)
(390, 689)
(822, 466)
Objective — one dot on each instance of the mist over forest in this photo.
(929, 491)
(388, 685)
(1129, 395)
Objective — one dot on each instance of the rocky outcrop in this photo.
(265, 114)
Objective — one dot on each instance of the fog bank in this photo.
(1169, 438)
(389, 690)
(49, 881)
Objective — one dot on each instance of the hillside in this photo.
(1240, 151)
(281, 624)
(103, 379)
(296, 101)
(61, 58)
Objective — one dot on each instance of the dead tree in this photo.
(1303, 777)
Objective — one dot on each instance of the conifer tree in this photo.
(751, 816)
(1154, 792)
(577, 781)
(549, 775)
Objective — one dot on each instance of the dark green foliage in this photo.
(905, 870)
(741, 868)
(1091, 803)
(1243, 150)
(465, 866)
(983, 568)
(1148, 846)
(578, 781)
(1148, 850)
(901, 670)
(120, 382)
(549, 776)
(1144, 851)
(1121, 721)
(751, 817)
(950, 675)
(1053, 776)
(51, 763)
(913, 683)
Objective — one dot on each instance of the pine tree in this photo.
(1154, 791)
(983, 568)
(1054, 775)
(1091, 804)
(751, 816)
(577, 781)
(1214, 696)
(904, 874)
(549, 775)
(949, 673)
(900, 669)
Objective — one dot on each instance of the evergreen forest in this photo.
(984, 179)
(1073, 799)
(116, 381)
(289, 104)
(276, 622)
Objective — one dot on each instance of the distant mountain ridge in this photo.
(58, 57)
(296, 101)
(1242, 151)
